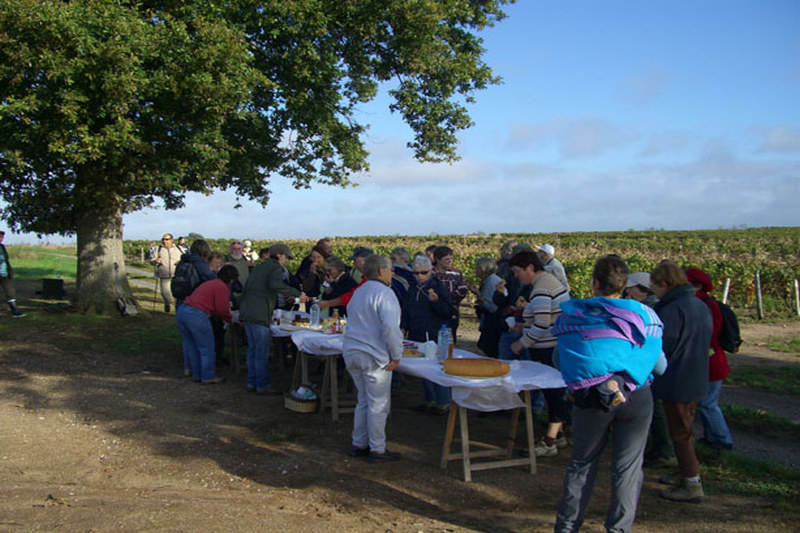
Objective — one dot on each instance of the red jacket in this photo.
(718, 362)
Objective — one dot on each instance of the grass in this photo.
(758, 420)
(777, 380)
(36, 263)
(784, 345)
(732, 473)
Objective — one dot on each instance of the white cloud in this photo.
(781, 140)
(575, 138)
(665, 142)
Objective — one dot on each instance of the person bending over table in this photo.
(600, 340)
(372, 348)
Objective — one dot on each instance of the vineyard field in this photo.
(736, 254)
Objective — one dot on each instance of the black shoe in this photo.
(425, 408)
(358, 452)
(384, 457)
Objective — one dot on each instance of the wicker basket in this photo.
(300, 406)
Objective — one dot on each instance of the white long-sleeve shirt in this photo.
(373, 323)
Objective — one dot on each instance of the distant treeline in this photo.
(735, 254)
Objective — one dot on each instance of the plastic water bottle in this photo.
(443, 342)
(314, 320)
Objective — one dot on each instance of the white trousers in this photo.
(374, 386)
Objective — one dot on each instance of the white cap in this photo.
(638, 278)
(548, 249)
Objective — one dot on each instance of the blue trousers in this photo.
(590, 429)
(435, 393)
(257, 355)
(715, 429)
(198, 342)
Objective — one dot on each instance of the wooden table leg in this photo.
(512, 434)
(324, 398)
(334, 377)
(462, 421)
(448, 435)
(526, 397)
(297, 375)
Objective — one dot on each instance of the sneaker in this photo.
(384, 457)
(355, 451)
(687, 491)
(425, 408)
(543, 450)
(561, 441)
(18, 314)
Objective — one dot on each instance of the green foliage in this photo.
(775, 379)
(108, 106)
(734, 254)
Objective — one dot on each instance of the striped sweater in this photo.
(544, 307)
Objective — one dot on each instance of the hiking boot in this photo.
(543, 449)
(672, 480)
(687, 491)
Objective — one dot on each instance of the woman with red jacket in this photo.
(715, 430)
(210, 298)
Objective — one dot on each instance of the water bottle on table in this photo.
(444, 343)
(314, 319)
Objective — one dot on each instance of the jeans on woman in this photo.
(435, 393)
(715, 429)
(257, 356)
(198, 342)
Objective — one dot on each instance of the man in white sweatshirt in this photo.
(373, 346)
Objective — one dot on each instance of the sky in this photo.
(611, 116)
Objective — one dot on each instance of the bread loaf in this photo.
(476, 368)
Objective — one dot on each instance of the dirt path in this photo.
(95, 440)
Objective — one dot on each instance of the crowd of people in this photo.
(640, 358)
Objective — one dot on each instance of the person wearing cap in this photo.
(248, 252)
(553, 265)
(715, 429)
(638, 288)
(6, 276)
(258, 300)
(359, 254)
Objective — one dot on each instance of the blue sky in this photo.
(611, 116)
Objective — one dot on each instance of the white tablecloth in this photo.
(490, 394)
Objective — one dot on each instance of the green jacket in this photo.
(261, 291)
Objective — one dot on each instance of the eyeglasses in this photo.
(421, 272)
(167, 239)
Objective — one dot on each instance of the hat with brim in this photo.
(280, 248)
(548, 249)
(638, 278)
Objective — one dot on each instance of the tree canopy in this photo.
(122, 103)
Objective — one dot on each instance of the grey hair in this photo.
(373, 263)
(423, 261)
(335, 262)
(485, 267)
(402, 253)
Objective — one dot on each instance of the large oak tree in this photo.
(109, 106)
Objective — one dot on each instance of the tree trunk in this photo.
(99, 235)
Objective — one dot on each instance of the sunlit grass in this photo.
(775, 379)
(785, 345)
(758, 420)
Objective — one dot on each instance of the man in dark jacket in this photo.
(6, 275)
(687, 334)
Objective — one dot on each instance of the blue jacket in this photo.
(601, 336)
(687, 336)
(420, 315)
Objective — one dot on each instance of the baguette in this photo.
(476, 368)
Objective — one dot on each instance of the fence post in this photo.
(797, 297)
(725, 292)
(759, 300)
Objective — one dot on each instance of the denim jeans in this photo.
(715, 429)
(198, 342)
(257, 355)
(435, 393)
(507, 338)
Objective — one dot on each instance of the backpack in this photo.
(729, 338)
(185, 281)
